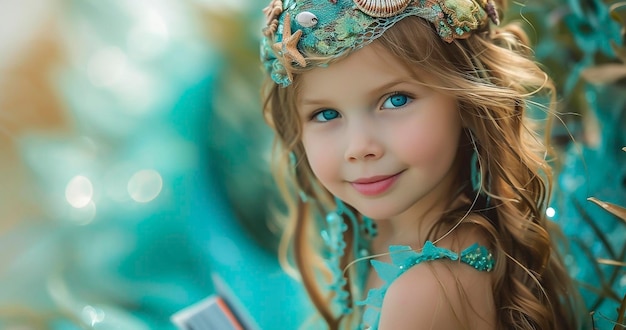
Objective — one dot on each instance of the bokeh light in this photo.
(79, 191)
(550, 212)
(145, 185)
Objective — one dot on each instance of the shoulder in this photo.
(439, 295)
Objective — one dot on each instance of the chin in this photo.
(375, 213)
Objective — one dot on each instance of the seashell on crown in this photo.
(382, 8)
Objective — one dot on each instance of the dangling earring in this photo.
(293, 163)
(335, 222)
(333, 239)
(476, 172)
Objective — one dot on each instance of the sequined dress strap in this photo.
(403, 258)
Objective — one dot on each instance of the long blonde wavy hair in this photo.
(495, 80)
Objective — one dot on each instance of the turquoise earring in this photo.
(333, 237)
(336, 245)
(476, 176)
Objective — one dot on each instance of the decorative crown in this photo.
(295, 28)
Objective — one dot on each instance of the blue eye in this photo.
(326, 115)
(396, 101)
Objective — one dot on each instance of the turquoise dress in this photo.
(403, 258)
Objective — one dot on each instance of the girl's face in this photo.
(376, 137)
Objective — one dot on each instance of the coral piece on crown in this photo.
(297, 29)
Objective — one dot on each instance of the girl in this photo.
(403, 121)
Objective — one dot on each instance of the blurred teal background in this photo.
(134, 165)
(135, 161)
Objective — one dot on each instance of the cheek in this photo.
(320, 157)
(432, 145)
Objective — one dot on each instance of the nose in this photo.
(363, 143)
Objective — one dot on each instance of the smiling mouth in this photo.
(375, 185)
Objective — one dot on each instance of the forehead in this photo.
(365, 69)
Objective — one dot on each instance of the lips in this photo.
(375, 185)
